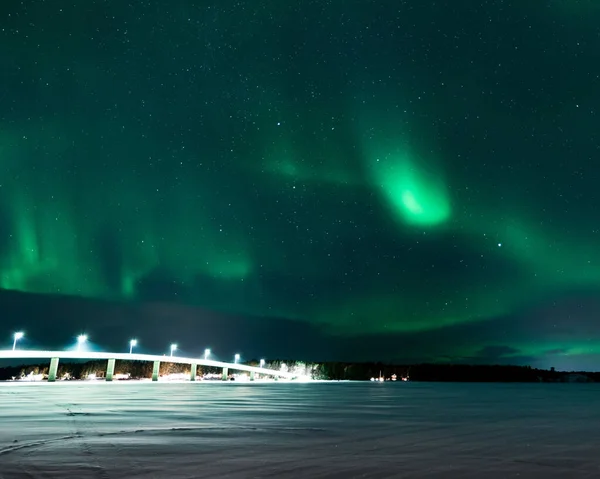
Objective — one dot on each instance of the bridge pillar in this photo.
(251, 375)
(225, 374)
(53, 370)
(155, 370)
(110, 369)
(193, 372)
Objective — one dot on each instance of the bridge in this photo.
(111, 358)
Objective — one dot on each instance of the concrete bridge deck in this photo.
(56, 356)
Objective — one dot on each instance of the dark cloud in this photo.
(497, 352)
(54, 321)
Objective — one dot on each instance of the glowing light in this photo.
(303, 379)
(173, 348)
(236, 358)
(17, 336)
(262, 363)
(132, 344)
(206, 353)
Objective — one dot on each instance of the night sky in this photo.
(342, 179)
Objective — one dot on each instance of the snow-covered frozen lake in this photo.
(284, 430)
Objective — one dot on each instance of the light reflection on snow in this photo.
(90, 429)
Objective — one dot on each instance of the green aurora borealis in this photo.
(381, 169)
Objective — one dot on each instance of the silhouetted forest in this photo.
(318, 371)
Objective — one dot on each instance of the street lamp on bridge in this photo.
(132, 344)
(17, 336)
(236, 358)
(173, 348)
(206, 353)
(82, 338)
(262, 363)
